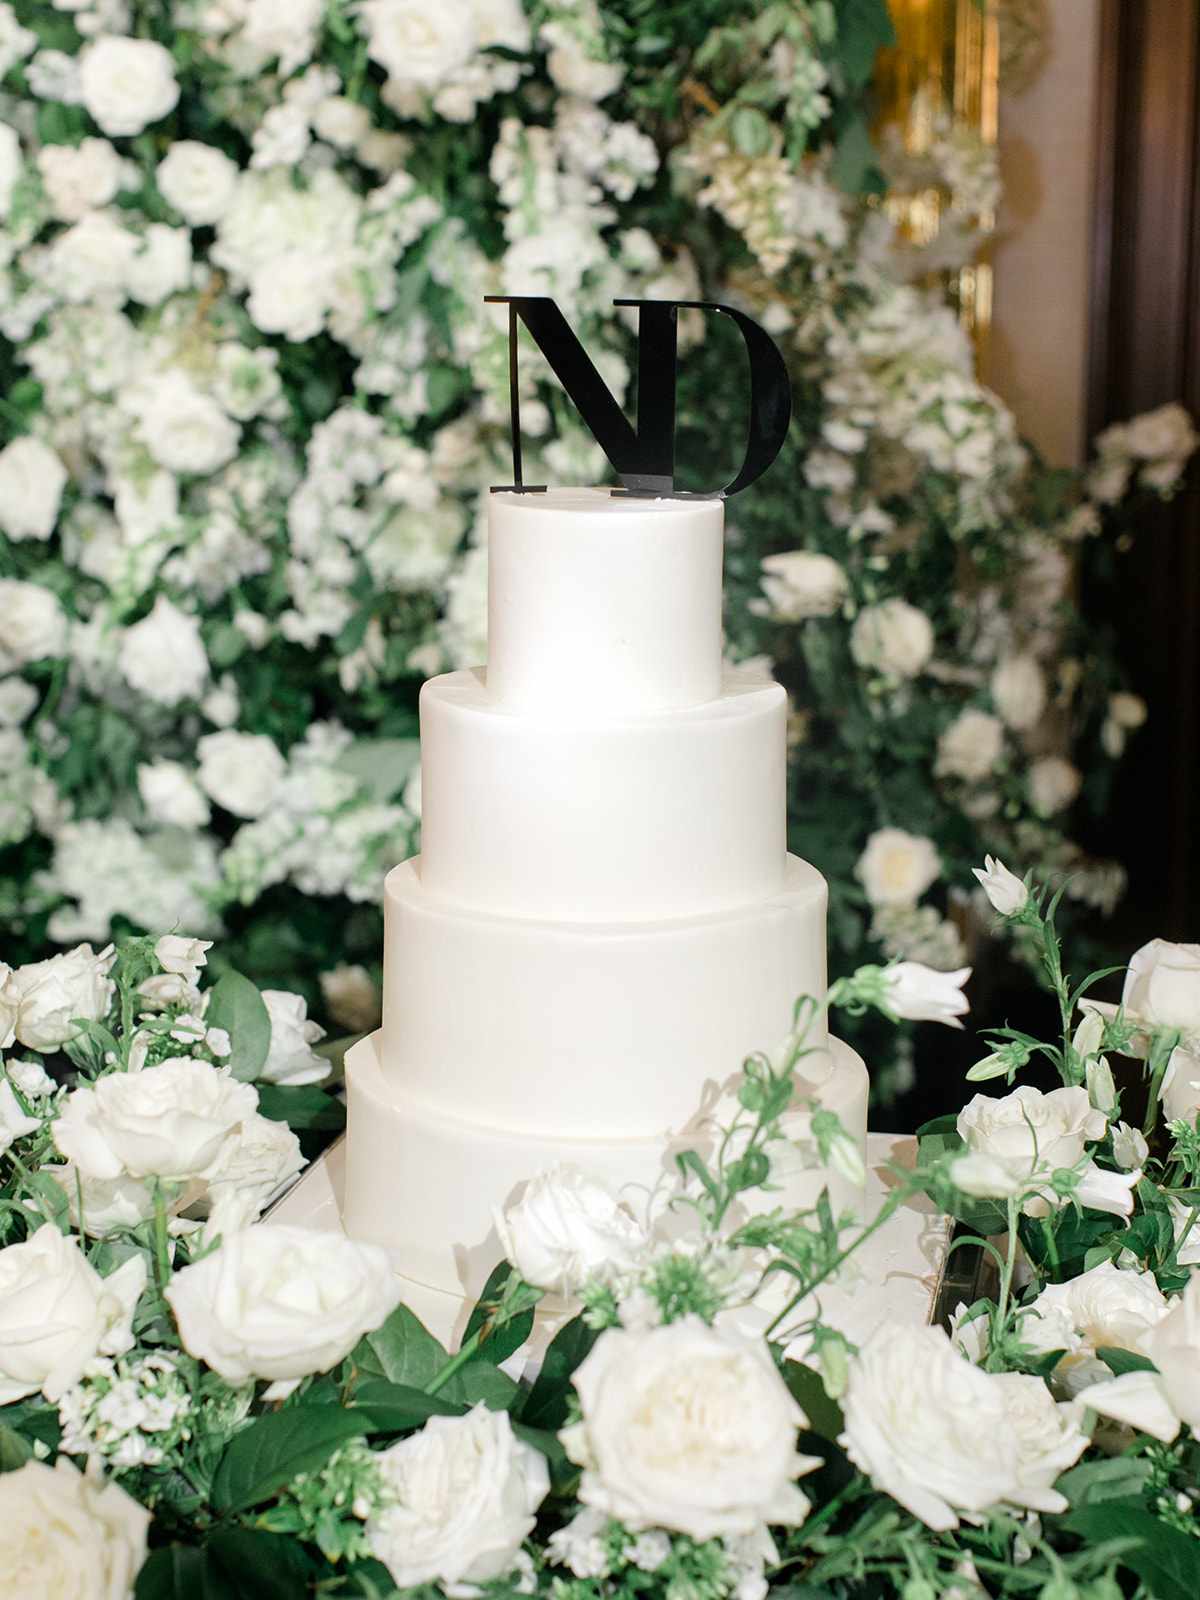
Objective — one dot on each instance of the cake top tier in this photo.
(603, 601)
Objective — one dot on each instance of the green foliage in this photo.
(236, 1005)
(276, 1447)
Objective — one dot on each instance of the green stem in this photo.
(1010, 1258)
(1051, 1244)
(1160, 1056)
(460, 1358)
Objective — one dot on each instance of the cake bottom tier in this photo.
(423, 1185)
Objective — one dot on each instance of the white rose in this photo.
(17, 701)
(198, 180)
(46, 997)
(564, 1227)
(1048, 1437)
(281, 29)
(1019, 691)
(352, 997)
(341, 122)
(290, 294)
(127, 83)
(419, 46)
(32, 624)
(163, 265)
(77, 178)
(917, 993)
(897, 867)
(1104, 1308)
(1173, 1344)
(688, 1428)
(291, 1058)
(108, 1203)
(32, 479)
(162, 656)
(1053, 785)
(91, 259)
(1180, 1088)
(575, 72)
(463, 1493)
(1166, 431)
(1128, 711)
(170, 795)
(1033, 1134)
(14, 1124)
(185, 431)
(1005, 891)
(892, 638)
(67, 1535)
(176, 953)
(168, 1121)
(799, 584)
(30, 1077)
(971, 746)
(57, 1313)
(240, 771)
(262, 1156)
(929, 1428)
(239, 1312)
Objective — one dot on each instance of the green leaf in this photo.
(750, 131)
(1166, 1560)
(562, 1468)
(807, 1389)
(501, 1343)
(381, 766)
(14, 1450)
(176, 1572)
(480, 1382)
(402, 1350)
(863, 29)
(236, 1005)
(398, 1407)
(546, 1403)
(1114, 1478)
(256, 1565)
(1120, 1362)
(272, 1450)
(854, 157)
(305, 1107)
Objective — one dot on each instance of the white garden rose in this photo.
(1033, 1135)
(198, 180)
(91, 259)
(1180, 1088)
(1006, 892)
(1019, 691)
(281, 1302)
(1161, 993)
(262, 1156)
(127, 83)
(1053, 785)
(971, 746)
(928, 1427)
(77, 178)
(167, 1121)
(688, 1428)
(14, 1123)
(108, 1203)
(461, 1499)
(291, 294)
(565, 1226)
(46, 997)
(69, 1535)
(892, 638)
(32, 479)
(32, 624)
(185, 430)
(1048, 1436)
(799, 584)
(170, 795)
(896, 867)
(162, 656)
(291, 1058)
(1106, 1307)
(341, 122)
(1173, 1344)
(419, 46)
(163, 265)
(240, 771)
(282, 30)
(57, 1313)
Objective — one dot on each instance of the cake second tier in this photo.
(588, 1030)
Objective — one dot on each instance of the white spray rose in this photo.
(465, 1490)
(1180, 1088)
(1104, 1308)
(291, 1058)
(67, 1535)
(127, 83)
(168, 1121)
(892, 638)
(1005, 891)
(32, 624)
(240, 771)
(32, 479)
(14, 1124)
(163, 656)
(1019, 691)
(57, 1313)
(46, 997)
(198, 180)
(281, 1302)
(689, 1428)
(917, 993)
(170, 795)
(77, 178)
(185, 430)
(971, 746)
(419, 46)
(564, 1227)
(1053, 785)
(1048, 1436)
(1033, 1134)
(176, 953)
(897, 867)
(799, 584)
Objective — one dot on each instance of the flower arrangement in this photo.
(253, 400)
(192, 1402)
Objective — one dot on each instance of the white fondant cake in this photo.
(604, 920)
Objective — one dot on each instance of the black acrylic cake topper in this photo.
(643, 457)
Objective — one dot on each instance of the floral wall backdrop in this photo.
(253, 401)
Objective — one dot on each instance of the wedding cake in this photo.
(604, 920)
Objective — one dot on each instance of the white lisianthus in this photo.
(896, 867)
(1054, 784)
(238, 1309)
(1161, 993)
(1033, 1135)
(127, 83)
(352, 997)
(77, 178)
(1104, 1308)
(971, 746)
(168, 1121)
(57, 1313)
(928, 1427)
(892, 638)
(185, 430)
(688, 1428)
(1019, 691)
(32, 480)
(69, 1535)
(1005, 892)
(564, 1227)
(916, 993)
(461, 1499)
(291, 1058)
(33, 624)
(170, 795)
(240, 771)
(799, 584)
(162, 656)
(176, 953)
(45, 998)
(417, 45)
(198, 180)
(14, 1123)
(1049, 1440)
